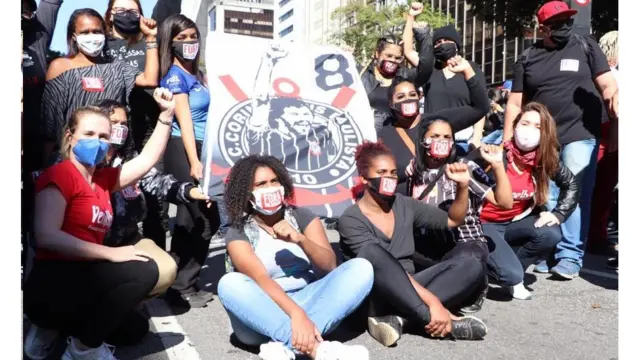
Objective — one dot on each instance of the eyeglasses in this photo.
(123, 11)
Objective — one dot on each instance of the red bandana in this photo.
(526, 158)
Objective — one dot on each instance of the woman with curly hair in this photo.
(282, 281)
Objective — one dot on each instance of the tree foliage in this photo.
(518, 15)
(52, 55)
(363, 25)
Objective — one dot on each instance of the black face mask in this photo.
(383, 187)
(127, 23)
(445, 51)
(560, 33)
(27, 21)
(407, 108)
(186, 50)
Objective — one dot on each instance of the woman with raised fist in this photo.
(379, 227)
(79, 286)
(528, 231)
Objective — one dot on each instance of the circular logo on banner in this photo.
(583, 2)
(316, 141)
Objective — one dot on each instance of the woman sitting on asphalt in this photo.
(528, 231)
(427, 183)
(282, 283)
(380, 227)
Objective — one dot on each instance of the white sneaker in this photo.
(275, 351)
(334, 350)
(103, 352)
(39, 342)
(520, 292)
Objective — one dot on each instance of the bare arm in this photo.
(134, 170)
(514, 106)
(151, 74)
(316, 246)
(407, 38)
(459, 207)
(245, 261)
(608, 88)
(183, 115)
(427, 297)
(502, 196)
(478, 129)
(50, 207)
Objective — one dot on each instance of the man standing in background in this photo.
(571, 76)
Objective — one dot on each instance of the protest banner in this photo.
(303, 104)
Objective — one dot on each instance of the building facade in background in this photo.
(306, 21)
(242, 17)
(485, 43)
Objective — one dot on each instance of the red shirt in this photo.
(523, 189)
(88, 215)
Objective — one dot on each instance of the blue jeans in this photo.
(224, 218)
(257, 319)
(495, 138)
(581, 158)
(514, 246)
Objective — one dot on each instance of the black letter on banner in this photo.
(321, 79)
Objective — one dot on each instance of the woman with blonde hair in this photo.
(528, 231)
(78, 285)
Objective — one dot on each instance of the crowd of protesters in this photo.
(465, 186)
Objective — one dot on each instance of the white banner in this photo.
(304, 105)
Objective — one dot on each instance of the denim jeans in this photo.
(514, 246)
(257, 319)
(224, 218)
(581, 158)
(495, 138)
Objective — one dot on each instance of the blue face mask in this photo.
(90, 152)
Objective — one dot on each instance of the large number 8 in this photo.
(323, 73)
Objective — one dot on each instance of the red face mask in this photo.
(437, 149)
(408, 108)
(389, 68)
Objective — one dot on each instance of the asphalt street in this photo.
(566, 320)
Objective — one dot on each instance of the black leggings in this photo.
(86, 299)
(195, 223)
(452, 281)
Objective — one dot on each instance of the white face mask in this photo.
(527, 138)
(90, 44)
(268, 201)
(118, 134)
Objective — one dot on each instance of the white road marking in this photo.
(600, 274)
(167, 327)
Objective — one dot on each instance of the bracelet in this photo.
(167, 122)
(152, 45)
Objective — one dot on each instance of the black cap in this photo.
(447, 32)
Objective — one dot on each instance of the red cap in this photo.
(553, 9)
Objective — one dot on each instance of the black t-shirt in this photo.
(356, 230)
(441, 93)
(144, 110)
(562, 79)
(390, 137)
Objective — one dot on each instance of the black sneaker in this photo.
(193, 299)
(475, 307)
(468, 328)
(132, 330)
(612, 264)
(386, 329)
